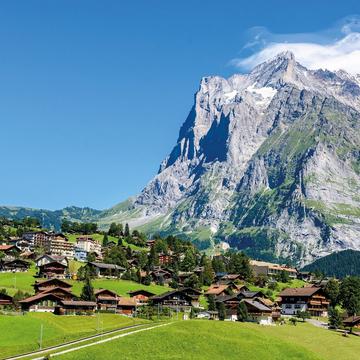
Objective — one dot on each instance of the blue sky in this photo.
(92, 93)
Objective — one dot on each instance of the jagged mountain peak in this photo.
(267, 161)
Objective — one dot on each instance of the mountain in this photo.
(339, 264)
(267, 161)
(51, 219)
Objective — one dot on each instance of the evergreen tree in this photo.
(208, 274)
(127, 230)
(189, 262)
(242, 313)
(332, 291)
(350, 295)
(211, 303)
(222, 311)
(87, 293)
(105, 240)
(239, 263)
(218, 265)
(334, 317)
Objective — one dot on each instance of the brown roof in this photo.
(352, 320)
(57, 288)
(100, 291)
(50, 281)
(78, 303)
(216, 289)
(140, 291)
(305, 291)
(38, 296)
(126, 302)
(6, 247)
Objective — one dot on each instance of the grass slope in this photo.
(23, 331)
(207, 340)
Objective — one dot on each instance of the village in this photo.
(226, 286)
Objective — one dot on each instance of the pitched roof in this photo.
(216, 289)
(106, 266)
(257, 305)
(168, 293)
(352, 320)
(140, 291)
(126, 302)
(78, 303)
(101, 291)
(305, 291)
(51, 281)
(7, 247)
(38, 296)
(250, 294)
(57, 288)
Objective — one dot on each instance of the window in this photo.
(297, 306)
(288, 306)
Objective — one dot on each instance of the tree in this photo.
(350, 295)
(127, 230)
(242, 313)
(221, 310)
(239, 263)
(87, 293)
(334, 317)
(332, 291)
(211, 303)
(283, 277)
(192, 282)
(105, 240)
(208, 274)
(261, 280)
(90, 257)
(303, 315)
(189, 262)
(218, 265)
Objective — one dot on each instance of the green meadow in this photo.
(21, 333)
(208, 340)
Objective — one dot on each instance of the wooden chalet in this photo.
(53, 270)
(5, 300)
(161, 275)
(46, 259)
(10, 251)
(106, 270)
(181, 299)
(44, 285)
(221, 289)
(41, 302)
(106, 300)
(16, 265)
(126, 306)
(352, 321)
(75, 307)
(141, 296)
(311, 299)
(61, 293)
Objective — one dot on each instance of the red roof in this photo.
(6, 247)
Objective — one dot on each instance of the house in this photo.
(46, 259)
(126, 306)
(161, 275)
(51, 243)
(181, 299)
(164, 259)
(258, 312)
(44, 285)
(305, 276)
(352, 321)
(10, 251)
(221, 289)
(106, 270)
(5, 300)
(75, 307)
(183, 275)
(311, 299)
(106, 300)
(41, 302)
(53, 269)
(209, 315)
(231, 277)
(16, 265)
(63, 294)
(80, 254)
(271, 270)
(141, 296)
(150, 243)
(88, 244)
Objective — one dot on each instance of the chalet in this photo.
(352, 321)
(141, 296)
(10, 251)
(46, 259)
(44, 285)
(231, 277)
(150, 243)
(5, 300)
(223, 289)
(161, 275)
(209, 315)
(126, 306)
(53, 270)
(182, 299)
(271, 270)
(305, 276)
(16, 265)
(165, 259)
(28, 255)
(40, 302)
(106, 270)
(75, 307)
(106, 300)
(258, 312)
(183, 275)
(311, 299)
(63, 294)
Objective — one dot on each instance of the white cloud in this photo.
(325, 50)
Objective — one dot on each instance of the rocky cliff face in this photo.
(267, 161)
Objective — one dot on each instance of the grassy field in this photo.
(23, 331)
(18, 281)
(208, 340)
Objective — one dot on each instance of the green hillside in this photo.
(338, 264)
(208, 340)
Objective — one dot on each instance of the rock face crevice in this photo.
(268, 161)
